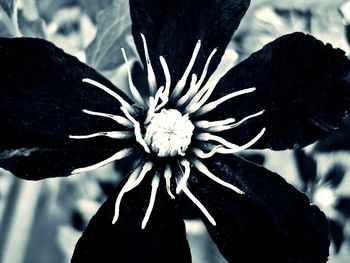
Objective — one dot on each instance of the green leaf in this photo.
(8, 6)
(113, 32)
(6, 25)
(31, 28)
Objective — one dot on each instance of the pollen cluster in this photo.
(169, 133)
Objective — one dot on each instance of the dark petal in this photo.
(343, 205)
(41, 101)
(335, 175)
(338, 141)
(271, 222)
(307, 167)
(163, 239)
(337, 234)
(172, 29)
(302, 84)
(257, 158)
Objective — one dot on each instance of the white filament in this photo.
(119, 119)
(117, 156)
(155, 185)
(137, 130)
(167, 176)
(183, 182)
(191, 91)
(221, 149)
(209, 124)
(199, 205)
(134, 92)
(212, 105)
(204, 170)
(110, 134)
(228, 126)
(110, 92)
(134, 180)
(194, 88)
(150, 72)
(182, 82)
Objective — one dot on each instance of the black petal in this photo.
(41, 101)
(343, 205)
(172, 29)
(337, 234)
(335, 175)
(271, 222)
(163, 239)
(307, 167)
(302, 84)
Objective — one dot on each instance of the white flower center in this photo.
(169, 133)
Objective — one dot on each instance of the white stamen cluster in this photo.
(169, 131)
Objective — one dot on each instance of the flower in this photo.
(60, 117)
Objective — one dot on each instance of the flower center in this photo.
(169, 133)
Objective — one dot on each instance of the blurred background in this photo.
(41, 221)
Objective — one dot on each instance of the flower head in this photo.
(61, 117)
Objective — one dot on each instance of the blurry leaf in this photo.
(92, 7)
(306, 166)
(8, 6)
(335, 175)
(337, 234)
(343, 205)
(113, 27)
(30, 28)
(6, 25)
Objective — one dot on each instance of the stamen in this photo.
(204, 93)
(183, 182)
(209, 137)
(137, 130)
(110, 134)
(153, 104)
(208, 124)
(221, 149)
(119, 119)
(191, 91)
(150, 72)
(212, 105)
(134, 180)
(134, 92)
(194, 88)
(167, 176)
(155, 185)
(110, 92)
(199, 205)
(182, 82)
(167, 76)
(135, 173)
(201, 154)
(117, 156)
(243, 147)
(204, 170)
(233, 125)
